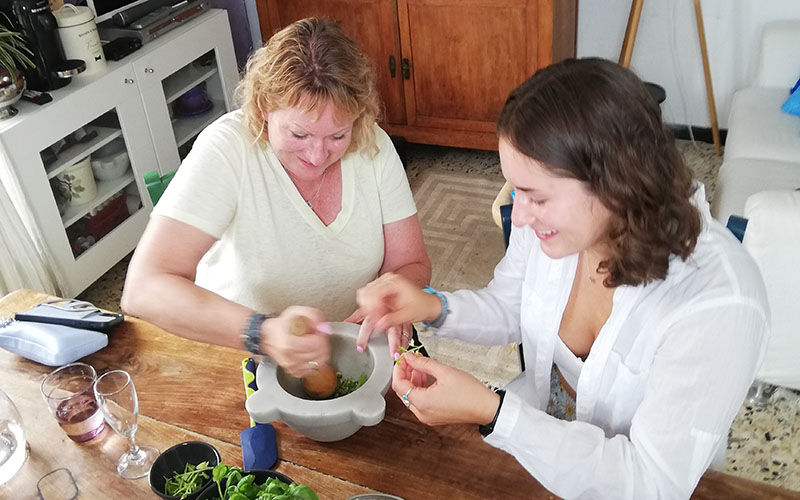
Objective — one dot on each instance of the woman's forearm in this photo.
(180, 307)
(418, 273)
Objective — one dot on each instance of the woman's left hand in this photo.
(455, 397)
(398, 336)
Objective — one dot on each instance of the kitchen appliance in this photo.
(121, 9)
(154, 24)
(38, 25)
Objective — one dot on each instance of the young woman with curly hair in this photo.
(643, 319)
(282, 208)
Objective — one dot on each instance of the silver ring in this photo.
(404, 334)
(313, 364)
(405, 397)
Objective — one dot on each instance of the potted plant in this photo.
(14, 56)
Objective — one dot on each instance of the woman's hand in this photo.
(389, 304)
(299, 355)
(455, 397)
(398, 336)
(357, 317)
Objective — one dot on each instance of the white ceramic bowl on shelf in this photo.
(111, 161)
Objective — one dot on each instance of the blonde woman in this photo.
(282, 208)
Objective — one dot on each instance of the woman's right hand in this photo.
(390, 302)
(299, 355)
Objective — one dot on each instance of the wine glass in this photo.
(116, 396)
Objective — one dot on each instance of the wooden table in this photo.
(193, 391)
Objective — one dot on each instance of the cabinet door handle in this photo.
(148, 70)
(406, 68)
(392, 66)
(128, 80)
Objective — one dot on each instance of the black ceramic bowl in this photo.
(175, 459)
(261, 477)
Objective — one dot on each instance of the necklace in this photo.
(589, 273)
(319, 187)
(322, 181)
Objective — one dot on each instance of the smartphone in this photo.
(72, 313)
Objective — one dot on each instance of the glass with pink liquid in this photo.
(69, 393)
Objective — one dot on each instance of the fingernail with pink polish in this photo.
(324, 327)
(396, 356)
(360, 349)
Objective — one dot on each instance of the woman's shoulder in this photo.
(229, 127)
(719, 268)
(381, 137)
(380, 159)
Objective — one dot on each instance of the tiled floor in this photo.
(764, 442)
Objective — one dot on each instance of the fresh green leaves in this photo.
(347, 385)
(231, 485)
(189, 481)
(411, 349)
(14, 54)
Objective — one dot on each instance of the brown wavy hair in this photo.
(306, 65)
(595, 121)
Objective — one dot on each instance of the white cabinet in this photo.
(204, 57)
(142, 107)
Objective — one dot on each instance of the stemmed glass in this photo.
(116, 396)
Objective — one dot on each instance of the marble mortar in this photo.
(282, 397)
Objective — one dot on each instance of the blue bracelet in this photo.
(438, 321)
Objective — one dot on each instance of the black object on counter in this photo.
(121, 47)
(36, 97)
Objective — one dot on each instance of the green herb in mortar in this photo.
(346, 385)
(183, 484)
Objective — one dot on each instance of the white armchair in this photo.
(772, 237)
(762, 150)
(757, 181)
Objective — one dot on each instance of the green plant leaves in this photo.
(14, 54)
(239, 487)
(346, 385)
(190, 480)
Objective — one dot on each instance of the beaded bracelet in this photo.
(439, 320)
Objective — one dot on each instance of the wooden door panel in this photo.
(465, 57)
(372, 24)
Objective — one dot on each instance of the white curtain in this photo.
(24, 259)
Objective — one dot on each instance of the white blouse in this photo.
(663, 380)
(569, 365)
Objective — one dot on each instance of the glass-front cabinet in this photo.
(78, 161)
(184, 90)
(92, 180)
(81, 160)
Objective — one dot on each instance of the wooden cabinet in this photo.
(445, 67)
(130, 109)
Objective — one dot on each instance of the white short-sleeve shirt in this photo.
(272, 250)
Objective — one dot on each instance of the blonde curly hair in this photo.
(307, 65)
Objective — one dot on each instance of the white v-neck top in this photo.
(663, 380)
(272, 250)
(569, 365)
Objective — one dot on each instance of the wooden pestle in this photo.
(322, 383)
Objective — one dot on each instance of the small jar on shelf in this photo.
(76, 183)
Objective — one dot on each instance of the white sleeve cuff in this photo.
(506, 420)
